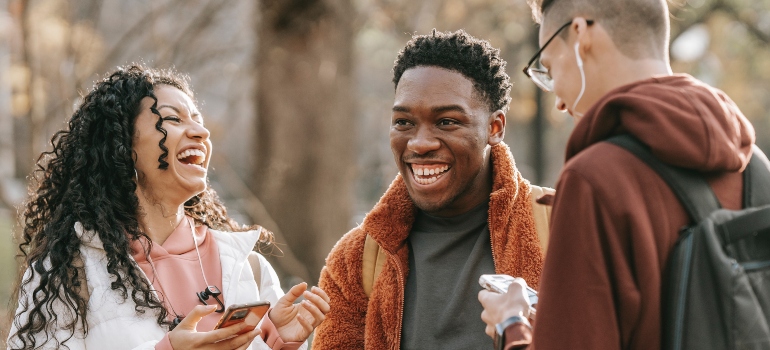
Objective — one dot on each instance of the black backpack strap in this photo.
(689, 186)
(756, 180)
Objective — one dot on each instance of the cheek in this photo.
(562, 82)
(146, 148)
(398, 142)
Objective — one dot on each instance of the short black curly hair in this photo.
(458, 51)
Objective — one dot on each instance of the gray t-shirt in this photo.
(446, 258)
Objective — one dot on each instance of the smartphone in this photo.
(250, 313)
(500, 283)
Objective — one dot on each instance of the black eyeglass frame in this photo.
(528, 68)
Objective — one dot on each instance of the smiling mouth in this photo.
(427, 174)
(192, 157)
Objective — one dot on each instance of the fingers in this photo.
(518, 289)
(306, 325)
(224, 333)
(198, 312)
(243, 341)
(487, 318)
(314, 311)
(294, 293)
(320, 292)
(485, 297)
(517, 286)
(490, 331)
(319, 298)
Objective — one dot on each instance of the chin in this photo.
(429, 205)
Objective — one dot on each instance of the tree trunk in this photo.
(305, 129)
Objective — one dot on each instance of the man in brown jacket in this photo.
(459, 208)
(615, 220)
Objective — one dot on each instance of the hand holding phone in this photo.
(250, 313)
(500, 283)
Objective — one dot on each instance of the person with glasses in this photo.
(614, 219)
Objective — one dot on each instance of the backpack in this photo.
(716, 287)
(374, 256)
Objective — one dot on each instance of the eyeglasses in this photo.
(540, 76)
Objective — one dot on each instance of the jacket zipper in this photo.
(401, 282)
(492, 242)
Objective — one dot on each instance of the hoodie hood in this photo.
(685, 122)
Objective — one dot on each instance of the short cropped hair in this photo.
(639, 28)
(458, 51)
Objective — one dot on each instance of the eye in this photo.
(448, 122)
(402, 122)
(172, 118)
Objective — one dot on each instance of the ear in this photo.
(583, 34)
(496, 127)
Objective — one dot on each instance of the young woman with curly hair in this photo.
(123, 235)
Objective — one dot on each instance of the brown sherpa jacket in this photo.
(358, 322)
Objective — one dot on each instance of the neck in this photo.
(158, 218)
(633, 70)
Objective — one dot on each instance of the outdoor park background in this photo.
(297, 94)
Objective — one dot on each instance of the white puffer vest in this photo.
(112, 321)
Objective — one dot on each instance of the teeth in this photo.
(420, 172)
(190, 152)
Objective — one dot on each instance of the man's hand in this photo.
(499, 307)
(295, 322)
(184, 336)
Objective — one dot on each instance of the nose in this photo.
(198, 131)
(560, 104)
(423, 141)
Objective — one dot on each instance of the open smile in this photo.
(428, 174)
(193, 157)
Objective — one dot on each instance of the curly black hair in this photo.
(89, 178)
(458, 51)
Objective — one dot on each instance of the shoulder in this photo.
(348, 249)
(605, 168)
(610, 182)
(242, 242)
(344, 265)
(342, 277)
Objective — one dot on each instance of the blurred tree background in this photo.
(297, 94)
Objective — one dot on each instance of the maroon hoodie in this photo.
(615, 221)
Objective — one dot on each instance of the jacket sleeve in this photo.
(269, 286)
(270, 290)
(577, 297)
(344, 326)
(55, 331)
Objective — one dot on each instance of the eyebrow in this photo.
(438, 109)
(448, 108)
(196, 114)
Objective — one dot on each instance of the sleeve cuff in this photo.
(272, 338)
(164, 344)
(518, 336)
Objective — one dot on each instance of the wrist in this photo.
(500, 328)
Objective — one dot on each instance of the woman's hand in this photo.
(499, 307)
(184, 336)
(295, 322)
